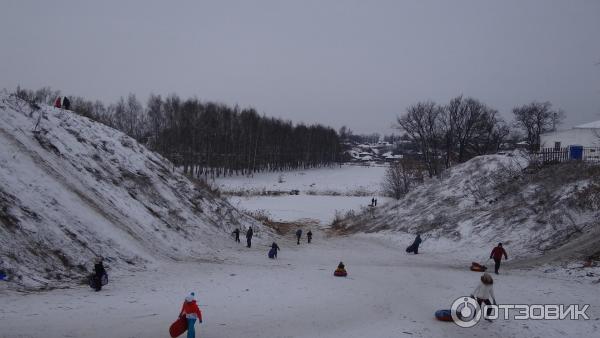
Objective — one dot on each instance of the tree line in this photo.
(207, 138)
(465, 127)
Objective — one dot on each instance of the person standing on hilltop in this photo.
(66, 104)
(496, 254)
(249, 234)
(57, 102)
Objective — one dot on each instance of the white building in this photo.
(586, 135)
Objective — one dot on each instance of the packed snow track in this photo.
(388, 293)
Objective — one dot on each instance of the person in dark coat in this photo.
(298, 235)
(309, 236)
(374, 202)
(236, 232)
(249, 234)
(273, 251)
(66, 103)
(415, 246)
(496, 254)
(99, 272)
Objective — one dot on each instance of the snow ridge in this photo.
(492, 199)
(72, 189)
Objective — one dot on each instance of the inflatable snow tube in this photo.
(272, 253)
(478, 267)
(443, 315)
(340, 273)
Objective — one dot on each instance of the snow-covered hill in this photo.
(489, 199)
(72, 189)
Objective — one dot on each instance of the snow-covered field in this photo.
(387, 294)
(344, 180)
(323, 192)
(298, 207)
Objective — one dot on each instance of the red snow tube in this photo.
(443, 315)
(478, 267)
(178, 327)
(340, 273)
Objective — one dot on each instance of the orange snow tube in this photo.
(478, 267)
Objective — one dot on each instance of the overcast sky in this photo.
(354, 63)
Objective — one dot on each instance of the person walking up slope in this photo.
(496, 254)
(191, 312)
(309, 236)
(298, 235)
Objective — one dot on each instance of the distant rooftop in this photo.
(595, 124)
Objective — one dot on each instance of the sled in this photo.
(178, 327)
(410, 249)
(443, 315)
(103, 280)
(272, 253)
(478, 267)
(340, 273)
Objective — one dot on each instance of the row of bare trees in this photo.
(458, 131)
(207, 138)
(453, 133)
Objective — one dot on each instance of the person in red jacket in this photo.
(191, 312)
(496, 254)
(57, 102)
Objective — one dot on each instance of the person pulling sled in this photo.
(414, 247)
(190, 312)
(99, 277)
(236, 233)
(273, 251)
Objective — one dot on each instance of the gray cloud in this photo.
(357, 63)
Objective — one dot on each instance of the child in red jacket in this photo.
(191, 312)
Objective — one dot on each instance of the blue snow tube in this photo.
(272, 253)
(444, 315)
(3, 276)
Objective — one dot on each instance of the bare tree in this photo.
(422, 123)
(401, 176)
(535, 119)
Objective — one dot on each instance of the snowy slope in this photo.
(488, 200)
(73, 189)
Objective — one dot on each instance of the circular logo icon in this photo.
(465, 312)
